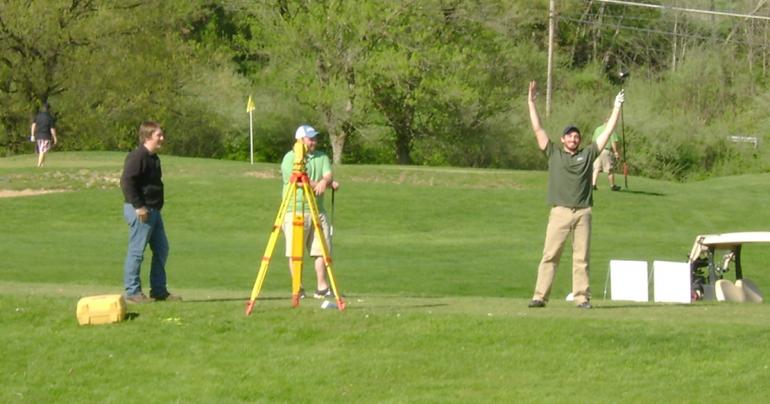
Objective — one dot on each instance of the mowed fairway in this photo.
(437, 264)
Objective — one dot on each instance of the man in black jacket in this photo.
(143, 194)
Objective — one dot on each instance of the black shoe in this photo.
(324, 293)
(585, 305)
(168, 297)
(536, 304)
(596, 188)
(302, 294)
(615, 188)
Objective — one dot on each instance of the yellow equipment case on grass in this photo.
(102, 309)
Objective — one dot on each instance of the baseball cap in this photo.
(570, 128)
(305, 131)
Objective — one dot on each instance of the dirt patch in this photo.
(422, 179)
(7, 193)
(263, 174)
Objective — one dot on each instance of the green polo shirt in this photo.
(317, 164)
(569, 176)
(613, 137)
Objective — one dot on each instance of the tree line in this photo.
(433, 82)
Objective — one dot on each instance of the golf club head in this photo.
(623, 75)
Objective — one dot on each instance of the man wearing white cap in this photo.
(319, 171)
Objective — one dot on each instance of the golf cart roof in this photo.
(726, 241)
(730, 240)
(706, 244)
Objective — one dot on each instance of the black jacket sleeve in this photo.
(130, 180)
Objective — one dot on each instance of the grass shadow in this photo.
(421, 306)
(647, 193)
(233, 299)
(398, 306)
(641, 305)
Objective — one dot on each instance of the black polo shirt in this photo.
(43, 124)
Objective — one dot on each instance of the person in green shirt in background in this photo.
(607, 158)
(319, 170)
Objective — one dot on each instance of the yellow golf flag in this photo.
(250, 105)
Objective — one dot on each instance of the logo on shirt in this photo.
(580, 159)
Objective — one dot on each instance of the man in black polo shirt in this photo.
(143, 194)
(44, 133)
(570, 172)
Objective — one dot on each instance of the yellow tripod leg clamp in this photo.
(297, 255)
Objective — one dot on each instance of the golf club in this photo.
(624, 75)
(331, 227)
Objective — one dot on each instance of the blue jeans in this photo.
(139, 235)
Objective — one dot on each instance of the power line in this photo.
(688, 10)
(613, 16)
(646, 30)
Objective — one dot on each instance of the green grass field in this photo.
(437, 264)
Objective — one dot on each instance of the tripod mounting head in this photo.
(300, 150)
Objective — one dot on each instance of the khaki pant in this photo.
(604, 162)
(312, 243)
(561, 223)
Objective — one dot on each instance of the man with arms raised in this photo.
(570, 171)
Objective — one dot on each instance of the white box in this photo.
(672, 282)
(628, 281)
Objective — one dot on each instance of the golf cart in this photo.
(709, 284)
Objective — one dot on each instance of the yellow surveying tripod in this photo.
(299, 181)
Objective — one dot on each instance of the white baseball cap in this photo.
(305, 131)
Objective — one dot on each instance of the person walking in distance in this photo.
(570, 196)
(143, 195)
(319, 171)
(43, 131)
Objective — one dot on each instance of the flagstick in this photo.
(251, 138)
(250, 109)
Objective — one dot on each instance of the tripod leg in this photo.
(319, 233)
(263, 267)
(297, 253)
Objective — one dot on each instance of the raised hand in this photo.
(532, 91)
(620, 98)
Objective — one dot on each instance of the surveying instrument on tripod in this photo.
(297, 196)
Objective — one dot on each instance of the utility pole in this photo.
(549, 80)
(675, 39)
(764, 47)
(713, 24)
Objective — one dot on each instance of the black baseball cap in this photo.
(569, 129)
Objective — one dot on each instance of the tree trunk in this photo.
(597, 33)
(578, 32)
(404, 138)
(338, 144)
(676, 41)
(750, 53)
(764, 47)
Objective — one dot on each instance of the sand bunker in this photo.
(7, 193)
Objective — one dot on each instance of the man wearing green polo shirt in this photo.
(319, 171)
(607, 158)
(570, 195)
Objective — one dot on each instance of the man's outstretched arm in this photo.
(542, 137)
(601, 141)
